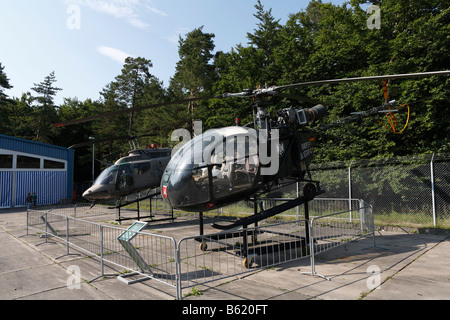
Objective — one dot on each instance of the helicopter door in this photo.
(141, 174)
(235, 172)
(193, 185)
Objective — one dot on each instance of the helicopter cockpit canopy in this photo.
(120, 178)
(107, 176)
(122, 175)
(211, 167)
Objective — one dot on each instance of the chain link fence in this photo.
(407, 191)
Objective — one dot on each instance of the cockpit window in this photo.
(108, 176)
(217, 163)
(227, 143)
(141, 167)
(234, 175)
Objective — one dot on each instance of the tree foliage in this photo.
(43, 108)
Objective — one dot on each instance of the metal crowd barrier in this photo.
(197, 260)
(337, 229)
(102, 242)
(207, 258)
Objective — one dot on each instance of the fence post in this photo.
(67, 239)
(362, 216)
(350, 189)
(311, 250)
(178, 272)
(311, 246)
(67, 235)
(28, 219)
(432, 190)
(297, 207)
(101, 254)
(46, 224)
(369, 208)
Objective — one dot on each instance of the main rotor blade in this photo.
(130, 110)
(300, 98)
(249, 93)
(91, 142)
(344, 80)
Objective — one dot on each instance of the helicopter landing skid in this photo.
(134, 201)
(250, 250)
(137, 201)
(309, 193)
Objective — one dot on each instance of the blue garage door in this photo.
(6, 183)
(50, 186)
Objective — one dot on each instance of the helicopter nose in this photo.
(88, 194)
(185, 191)
(95, 193)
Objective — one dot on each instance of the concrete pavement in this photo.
(402, 266)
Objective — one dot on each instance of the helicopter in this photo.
(232, 166)
(140, 170)
(227, 165)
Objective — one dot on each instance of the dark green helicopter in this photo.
(141, 170)
(222, 165)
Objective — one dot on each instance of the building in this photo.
(29, 166)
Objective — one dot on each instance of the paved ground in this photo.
(402, 266)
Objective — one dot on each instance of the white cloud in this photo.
(114, 54)
(157, 11)
(129, 10)
(175, 36)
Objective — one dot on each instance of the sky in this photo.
(85, 42)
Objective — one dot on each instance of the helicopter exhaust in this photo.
(302, 116)
(315, 113)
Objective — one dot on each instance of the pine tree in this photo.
(134, 87)
(4, 84)
(45, 110)
(194, 71)
(46, 90)
(267, 39)
(5, 103)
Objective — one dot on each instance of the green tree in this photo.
(245, 67)
(46, 90)
(413, 37)
(4, 84)
(21, 117)
(131, 84)
(135, 87)
(238, 70)
(44, 111)
(5, 102)
(267, 39)
(194, 71)
(72, 108)
(328, 42)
